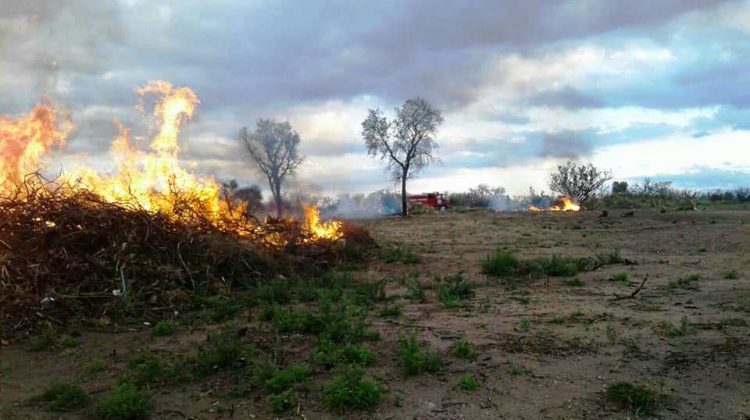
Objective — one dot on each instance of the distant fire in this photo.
(561, 204)
(152, 180)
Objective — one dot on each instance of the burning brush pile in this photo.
(144, 237)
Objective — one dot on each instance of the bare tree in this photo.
(407, 142)
(578, 182)
(273, 149)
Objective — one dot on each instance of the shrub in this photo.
(500, 263)
(469, 382)
(574, 282)
(453, 290)
(330, 354)
(416, 358)
(64, 397)
(220, 352)
(731, 275)
(463, 349)
(126, 402)
(164, 327)
(288, 377)
(349, 391)
(620, 277)
(633, 398)
(148, 369)
(282, 402)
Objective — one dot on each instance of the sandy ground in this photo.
(705, 373)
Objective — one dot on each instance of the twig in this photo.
(635, 292)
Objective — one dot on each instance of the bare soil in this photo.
(545, 349)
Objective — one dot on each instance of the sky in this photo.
(644, 88)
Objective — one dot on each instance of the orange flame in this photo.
(24, 141)
(565, 204)
(152, 180)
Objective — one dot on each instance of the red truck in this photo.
(436, 200)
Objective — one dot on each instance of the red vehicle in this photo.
(436, 200)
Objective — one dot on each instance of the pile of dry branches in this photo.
(69, 253)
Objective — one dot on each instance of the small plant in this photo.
(95, 366)
(148, 369)
(689, 282)
(558, 319)
(576, 315)
(330, 354)
(126, 402)
(463, 349)
(416, 291)
(453, 290)
(47, 340)
(287, 378)
(391, 311)
(349, 391)
(282, 402)
(620, 277)
(400, 254)
(469, 382)
(519, 371)
(64, 397)
(220, 352)
(500, 263)
(610, 258)
(70, 342)
(731, 275)
(416, 358)
(523, 325)
(671, 330)
(633, 398)
(164, 327)
(574, 282)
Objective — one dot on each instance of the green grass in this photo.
(670, 330)
(523, 325)
(48, 340)
(288, 377)
(636, 399)
(349, 391)
(620, 277)
(416, 291)
(330, 354)
(469, 382)
(64, 397)
(558, 319)
(282, 402)
(731, 275)
(391, 311)
(94, 366)
(69, 342)
(219, 352)
(164, 328)
(500, 263)
(504, 263)
(609, 258)
(453, 290)
(689, 282)
(126, 402)
(398, 253)
(148, 369)
(519, 371)
(574, 282)
(417, 358)
(463, 349)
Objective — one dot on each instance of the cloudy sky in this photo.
(657, 88)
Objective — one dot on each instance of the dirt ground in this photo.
(545, 349)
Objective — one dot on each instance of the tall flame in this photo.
(152, 180)
(565, 204)
(24, 141)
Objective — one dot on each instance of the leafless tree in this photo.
(273, 149)
(407, 142)
(578, 182)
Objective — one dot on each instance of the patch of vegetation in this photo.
(500, 263)
(417, 358)
(688, 283)
(453, 290)
(69, 342)
(558, 319)
(504, 263)
(731, 275)
(416, 291)
(349, 391)
(469, 382)
(670, 330)
(164, 328)
(148, 369)
(463, 349)
(330, 354)
(282, 402)
(391, 311)
(288, 377)
(398, 253)
(523, 325)
(620, 277)
(94, 366)
(46, 341)
(634, 398)
(574, 282)
(519, 371)
(63, 397)
(126, 402)
(220, 352)
(609, 258)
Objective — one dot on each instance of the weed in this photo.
(574, 282)
(64, 397)
(558, 319)
(620, 277)
(391, 311)
(453, 290)
(282, 402)
(47, 340)
(416, 291)
(610, 258)
(148, 369)
(556, 266)
(731, 275)
(416, 358)
(70, 342)
(126, 402)
(400, 254)
(349, 391)
(576, 315)
(500, 263)
(220, 352)
(671, 330)
(330, 354)
(276, 291)
(634, 398)
(287, 378)
(164, 327)
(95, 366)
(688, 282)
(519, 371)
(463, 349)
(523, 325)
(469, 382)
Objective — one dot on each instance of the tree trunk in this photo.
(404, 208)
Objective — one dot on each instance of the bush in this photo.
(463, 349)
(415, 358)
(64, 397)
(453, 290)
(330, 354)
(633, 398)
(148, 369)
(288, 377)
(469, 382)
(282, 402)
(349, 391)
(164, 327)
(126, 402)
(500, 263)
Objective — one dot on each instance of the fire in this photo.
(565, 204)
(24, 142)
(328, 230)
(534, 208)
(153, 180)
